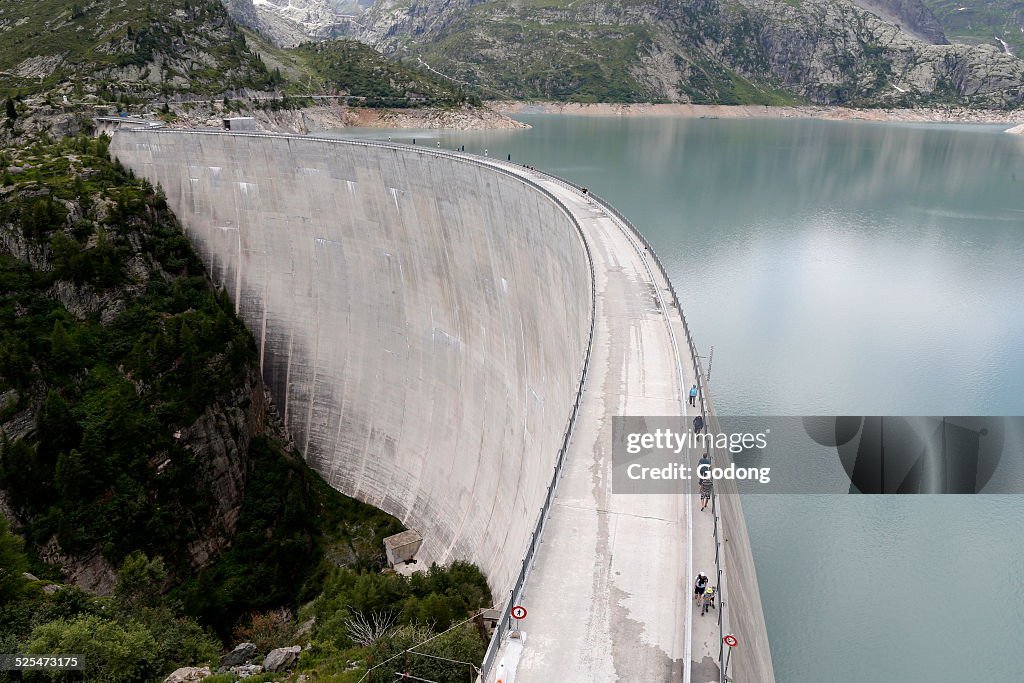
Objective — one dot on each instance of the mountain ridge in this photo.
(699, 51)
(865, 53)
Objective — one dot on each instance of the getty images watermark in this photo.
(672, 455)
(816, 454)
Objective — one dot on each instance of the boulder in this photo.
(282, 658)
(305, 628)
(246, 670)
(242, 653)
(188, 674)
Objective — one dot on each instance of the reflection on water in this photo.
(836, 267)
(841, 268)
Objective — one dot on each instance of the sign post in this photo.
(518, 612)
(732, 642)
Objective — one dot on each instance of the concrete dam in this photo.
(448, 338)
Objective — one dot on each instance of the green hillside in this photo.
(356, 69)
(131, 47)
(138, 51)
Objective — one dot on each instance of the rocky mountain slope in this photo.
(137, 55)
(991, 22)
(729, 51)
(291, 22)
(130, 49)
(913, 16)
(317, 18)
(274, 27)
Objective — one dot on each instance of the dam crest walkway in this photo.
(609, 597)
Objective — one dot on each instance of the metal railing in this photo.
(707, 413)
(526, 564)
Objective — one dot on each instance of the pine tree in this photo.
(63, 349)
(12, 563)
(69, 476)
(57, 429)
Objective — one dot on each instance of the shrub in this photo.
(266, 630)
(112, 652)
(437, 599)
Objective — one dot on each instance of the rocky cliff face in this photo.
(912, 16)
(219, 440)
(282, 28)
(749, 51)
(318, 18)
(290, 22)
(831, 52)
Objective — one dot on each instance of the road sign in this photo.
(731, 641)
(518, 612)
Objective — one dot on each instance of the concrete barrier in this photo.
(422, 321)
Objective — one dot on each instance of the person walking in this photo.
(705, 493)
(693, 395)
(708, 601)
(704, 479)
(699, 585)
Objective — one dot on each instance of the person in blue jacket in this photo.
(693, 395)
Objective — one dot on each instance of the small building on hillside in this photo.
(402, 548)
(240, 123)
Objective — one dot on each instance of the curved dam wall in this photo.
(422, 321)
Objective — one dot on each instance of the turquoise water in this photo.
(840, 268)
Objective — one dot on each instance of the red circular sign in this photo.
(518, 612)
(731, 641)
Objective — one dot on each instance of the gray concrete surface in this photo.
(422, 323)
(608, 598)
(613, 564)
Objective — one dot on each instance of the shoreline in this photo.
(755, 111)
(324, 116)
